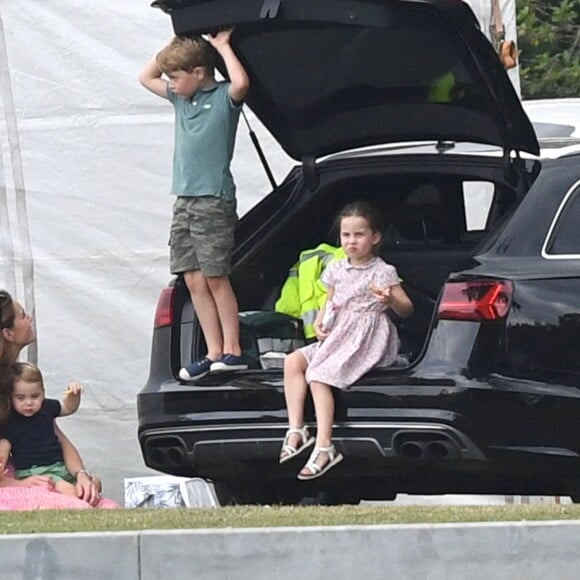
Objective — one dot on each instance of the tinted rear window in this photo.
(421, 63)
(566, 237)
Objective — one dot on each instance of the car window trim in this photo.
(545, 254)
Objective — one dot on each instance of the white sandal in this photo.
(292, 451)
(316, 470)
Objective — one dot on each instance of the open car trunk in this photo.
(436, 211)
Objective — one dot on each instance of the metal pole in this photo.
(260, 152)
(19, 189)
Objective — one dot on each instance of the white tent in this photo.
(84, 204)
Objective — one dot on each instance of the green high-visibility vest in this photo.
(303, 293)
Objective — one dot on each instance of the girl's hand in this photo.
(320, 333)
(383, 295)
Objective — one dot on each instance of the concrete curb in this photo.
(479, 551)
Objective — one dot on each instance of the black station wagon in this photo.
(404, 104)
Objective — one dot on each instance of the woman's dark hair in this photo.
(365, 210)
(7, 312)
(7, 315)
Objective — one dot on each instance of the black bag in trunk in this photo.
(267, 336)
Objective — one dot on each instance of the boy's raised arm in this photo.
(240, 83)
(150, 78)
(71, 400)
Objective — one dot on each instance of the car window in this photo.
(477, 201)
(429, 215)
(442, 212)
(565, 238)
(428, 71)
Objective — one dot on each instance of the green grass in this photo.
(256, 517)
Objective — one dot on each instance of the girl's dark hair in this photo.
(365, 210)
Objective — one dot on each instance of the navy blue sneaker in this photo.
(228, 362)
(196, 370)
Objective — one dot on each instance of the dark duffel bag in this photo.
(266, 337)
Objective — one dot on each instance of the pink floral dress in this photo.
(362, 335)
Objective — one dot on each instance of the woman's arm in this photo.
(32, 481)
(87, 488)
(5, 449)
(7, 474)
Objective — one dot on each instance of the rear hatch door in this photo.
(332, 75)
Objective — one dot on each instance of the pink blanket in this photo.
(19, 498)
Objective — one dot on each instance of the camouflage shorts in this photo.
(202, 235)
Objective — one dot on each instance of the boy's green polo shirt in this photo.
(205, 131)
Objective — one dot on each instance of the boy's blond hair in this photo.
(186, 53)
(27, 372)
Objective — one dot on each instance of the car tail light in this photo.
(476, 300)
(164, 312)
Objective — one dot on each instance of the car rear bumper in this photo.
(205, 448)
(452, 430)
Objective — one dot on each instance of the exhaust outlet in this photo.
(166, 452)
(439, 450)
(157, 456)
(175, 456)
(412, 450)
(425, 446)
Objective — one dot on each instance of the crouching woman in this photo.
(17, 332)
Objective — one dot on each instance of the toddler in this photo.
(29, 432)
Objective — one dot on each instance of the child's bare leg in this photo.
(324, 407)
(65, 488)
(227, 311)
(206, 311)
(295, 391)
(295, 387)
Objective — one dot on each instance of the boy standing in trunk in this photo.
(204, 213)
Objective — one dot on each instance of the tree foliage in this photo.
(549, 43)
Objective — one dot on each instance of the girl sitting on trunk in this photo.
(354, 335)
